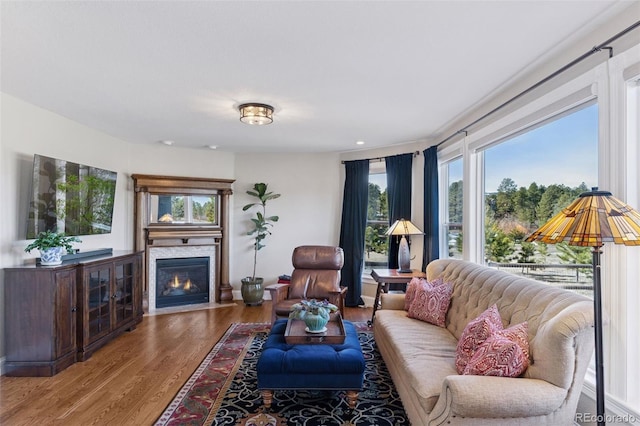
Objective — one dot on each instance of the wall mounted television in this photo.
(69, 197)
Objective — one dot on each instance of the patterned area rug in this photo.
(223, 390)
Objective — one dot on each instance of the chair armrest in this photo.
(342, 291)
(496, 397)
(278, 292)
(337, 298)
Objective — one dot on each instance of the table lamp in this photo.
(403, 227)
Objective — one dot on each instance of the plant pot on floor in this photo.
(252, 291)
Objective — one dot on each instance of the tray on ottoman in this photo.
(295, 333)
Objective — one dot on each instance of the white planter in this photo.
(51, 256)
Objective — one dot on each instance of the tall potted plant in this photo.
(252, 289)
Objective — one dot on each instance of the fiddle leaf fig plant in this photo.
(261, 222)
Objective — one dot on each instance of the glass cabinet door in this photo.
(99, 302)
(123, 291)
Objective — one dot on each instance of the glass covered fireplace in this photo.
(182, 281)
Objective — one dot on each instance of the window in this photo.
(376, 242)
(528, 179)
(453, 221)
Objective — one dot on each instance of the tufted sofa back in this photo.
(560, 322)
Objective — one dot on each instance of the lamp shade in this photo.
(594, 218)
(254, 113)
(403, 227)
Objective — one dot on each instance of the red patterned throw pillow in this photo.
(410, 293)
(505, 353)
(413, 286)
(431, 303)
(475, 333)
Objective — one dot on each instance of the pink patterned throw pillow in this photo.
(431, 303)
(475, 333)
(502, 354)
(410, 293)
(413, 286)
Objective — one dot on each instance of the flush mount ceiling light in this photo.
(253, 113)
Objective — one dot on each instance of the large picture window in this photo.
(453, 224)
(376, 242)
(527, 179)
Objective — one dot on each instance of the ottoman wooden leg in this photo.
(267, 397)
(352, 398)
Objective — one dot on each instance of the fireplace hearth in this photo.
(182, 281)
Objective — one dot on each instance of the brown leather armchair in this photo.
(316, 275)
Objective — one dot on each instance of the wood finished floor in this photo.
(131, 380)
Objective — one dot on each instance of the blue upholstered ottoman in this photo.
(312, 366)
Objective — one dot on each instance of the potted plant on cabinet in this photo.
(52, 246)
(252, 289)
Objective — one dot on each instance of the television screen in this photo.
(71, 198)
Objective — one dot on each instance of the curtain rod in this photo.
(415, 154)
(598, 48)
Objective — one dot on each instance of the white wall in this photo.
(309, 209)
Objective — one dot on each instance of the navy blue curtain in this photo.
(398, 168)
(431, 250)
(354, 223)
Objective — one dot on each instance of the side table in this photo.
(390, 276)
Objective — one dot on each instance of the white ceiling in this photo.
(385, 72)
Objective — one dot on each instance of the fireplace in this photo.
(176, 218)
(182, 281)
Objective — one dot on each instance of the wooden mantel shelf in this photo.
(184, 233)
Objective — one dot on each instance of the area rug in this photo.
(223, 390)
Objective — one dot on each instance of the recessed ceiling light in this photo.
(359, 142)
(166, 142)
(212, 146)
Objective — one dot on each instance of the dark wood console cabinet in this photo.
(55, 315)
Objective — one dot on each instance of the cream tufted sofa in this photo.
(421, 356)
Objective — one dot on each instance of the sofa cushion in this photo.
(426, 358)
(431, 303)
(475, 333)
(505, 353)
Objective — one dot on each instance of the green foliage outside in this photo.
(375, 240)
(512, 213)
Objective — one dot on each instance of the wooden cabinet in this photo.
(109, 299)
(55, 315)
(40, 320)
